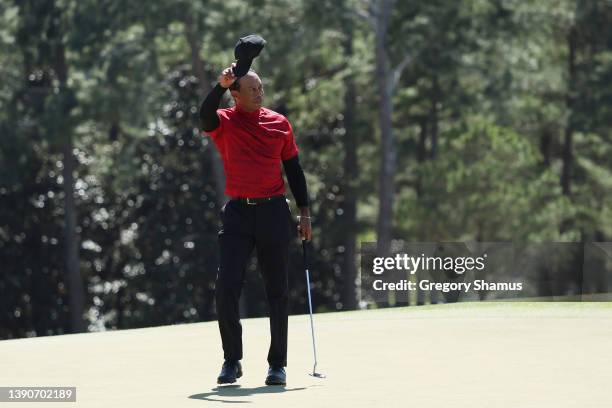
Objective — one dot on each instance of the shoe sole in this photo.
(238, 375)
(275, 382)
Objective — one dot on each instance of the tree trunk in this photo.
(349, 218)
(75, 281)
(198, 69)
(421, 155)
(76, 290)
(434, 117)
(545, 145)
(387, 153)
(568, 155)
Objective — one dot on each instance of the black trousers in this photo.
(268, 228)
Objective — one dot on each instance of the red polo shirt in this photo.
(252, 146)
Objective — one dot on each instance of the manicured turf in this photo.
(518, 354)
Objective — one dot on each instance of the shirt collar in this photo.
(250, 115)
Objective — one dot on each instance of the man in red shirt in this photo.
(253, 141)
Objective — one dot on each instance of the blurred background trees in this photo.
(480, 120)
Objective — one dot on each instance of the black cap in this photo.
(247, 48)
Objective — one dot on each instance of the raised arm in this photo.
(208, 110)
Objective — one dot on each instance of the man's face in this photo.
(250, 95)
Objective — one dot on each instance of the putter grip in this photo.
(305, 253)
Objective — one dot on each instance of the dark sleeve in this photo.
(208, 109)
(297, 180)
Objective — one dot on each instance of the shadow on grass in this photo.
(238, 391)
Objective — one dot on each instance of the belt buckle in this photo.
(249, 202)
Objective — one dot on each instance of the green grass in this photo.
(484, 309)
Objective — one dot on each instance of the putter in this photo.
(314, 347)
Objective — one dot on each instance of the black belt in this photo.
(256, 201)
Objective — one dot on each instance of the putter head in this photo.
(317, 375)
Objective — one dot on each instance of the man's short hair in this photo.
(235, 86)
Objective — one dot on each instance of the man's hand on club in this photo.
(227, 77)
(304, 227)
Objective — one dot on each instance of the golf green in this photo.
(465, 355)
